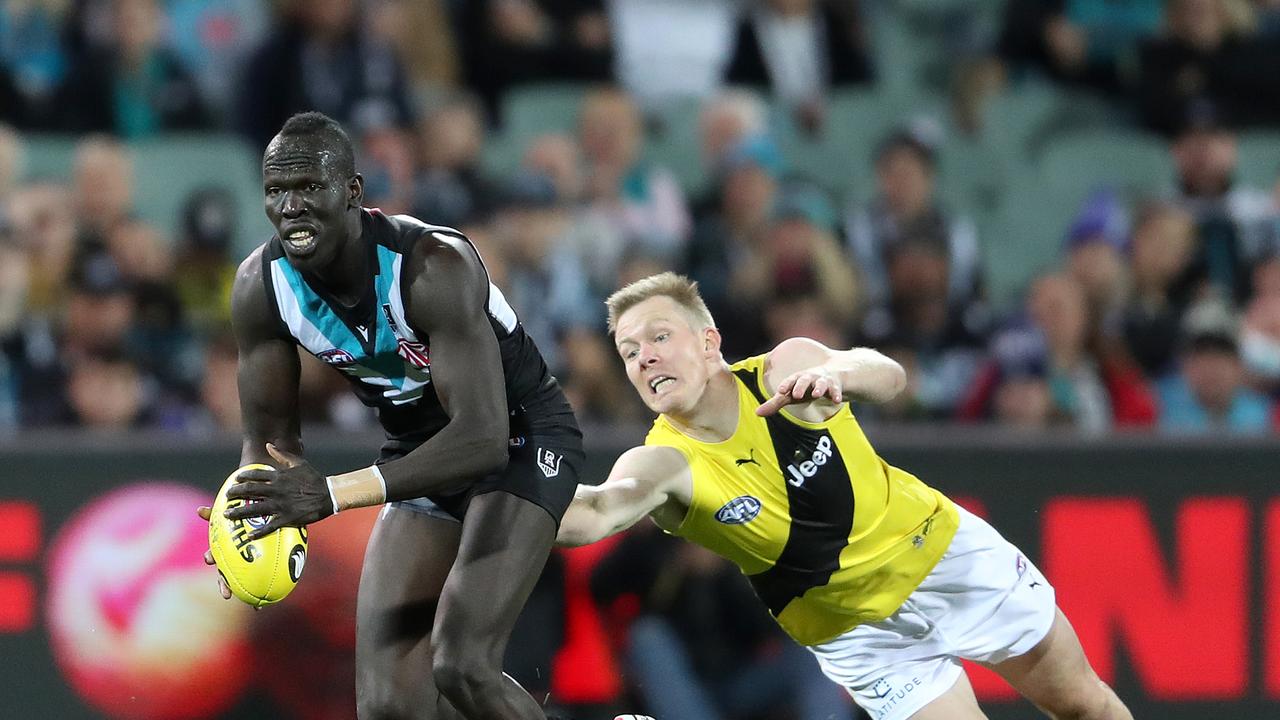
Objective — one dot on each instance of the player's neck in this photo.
(714, 417)
(347, 276)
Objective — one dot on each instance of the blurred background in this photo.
(1061, 216)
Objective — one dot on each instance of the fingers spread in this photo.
(250, 490)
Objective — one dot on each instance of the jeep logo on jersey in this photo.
(337, 356)
(415, 353)
(807, 469)
(742, 509)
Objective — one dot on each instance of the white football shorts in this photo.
(983, 601)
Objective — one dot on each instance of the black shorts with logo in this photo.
(545, 462)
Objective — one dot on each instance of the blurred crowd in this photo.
(1161, 311)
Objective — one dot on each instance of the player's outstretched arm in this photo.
(644, 481)
(804, 371)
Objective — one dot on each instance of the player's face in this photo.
(307, 199)
(665, 357)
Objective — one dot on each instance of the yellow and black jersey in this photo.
(829, 534)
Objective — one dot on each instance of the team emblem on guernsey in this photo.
(337, 356)
(415, 353)
(742, 509)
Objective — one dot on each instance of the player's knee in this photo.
(1090, 699)
(465, 674)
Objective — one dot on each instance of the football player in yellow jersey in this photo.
(883, 578)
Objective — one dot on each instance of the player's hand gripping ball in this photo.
(262, 571)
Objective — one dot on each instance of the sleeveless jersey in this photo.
(386, 360)
(829, 535)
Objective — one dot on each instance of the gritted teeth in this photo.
(660, 381)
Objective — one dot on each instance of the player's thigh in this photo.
(505, 543)
(406, 564)
(1055, 674)
(957, 703)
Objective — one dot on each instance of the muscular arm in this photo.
(815, 379)
(446, 302)
(644, 481)
(268, 369)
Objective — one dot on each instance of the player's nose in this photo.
(293, 206)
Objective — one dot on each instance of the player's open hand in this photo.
(802, 387)
(204, 511)
(295, 495)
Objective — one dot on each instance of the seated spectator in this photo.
(558, 157)
(1235, 224)
(319, 59)
(1206, 55)
(1023, 398)
(727, 120)
(1208, 392)
(699, 646)
(1163, 248)
(12, 155)
(513, 42)
(800, 50)
(906, 206)
(33, 62)
(748, 178)
(643, 202)
(545, 280)
(136, 87)
(385, 154)
(15, 280)
(450, 187)
(1260, 344)
(1078, 43)
(205, 269)
(102, 183)
(43, 214)
(107, 391)
(1096, 394)
(1097, 247)
(219, 392)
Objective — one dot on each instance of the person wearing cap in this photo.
(1162, 248)
(905, 205)
(1235, 223)
(1208, 392)
(1096, 247)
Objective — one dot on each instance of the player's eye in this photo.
(273, 191)
(662, 337)
(630, 354)
(314, 187)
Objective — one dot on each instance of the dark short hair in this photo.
(328, 131)
(911, 142)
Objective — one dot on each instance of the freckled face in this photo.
(665, 357)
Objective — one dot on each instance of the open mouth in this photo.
(301, 240)
(660, 382)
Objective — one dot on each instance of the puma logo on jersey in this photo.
(751, 459)
(807, 469)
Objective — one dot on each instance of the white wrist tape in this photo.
(358, 488)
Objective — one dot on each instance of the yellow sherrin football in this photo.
(261, 572)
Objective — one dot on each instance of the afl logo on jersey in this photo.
(742, 509)
(337, 356)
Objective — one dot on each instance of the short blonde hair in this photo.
(682, 290)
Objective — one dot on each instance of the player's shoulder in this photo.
(408, 226)
(652, 463)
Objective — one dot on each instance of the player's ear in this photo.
(355, 190)
(711, 342)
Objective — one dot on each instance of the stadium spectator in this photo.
(1023, 398)
(557, 156)
(940, 340)
(135, 87)
(906, 206)
(15, 279)
(1207, 55)
(728, 119)
(319, 59)
(451, 188)
(1097, 245)
(544, 278)
(1163, 249)
(33, 63)
(514, 42)
(219, 393)
(690, 61)
(103, 183)
(699, 646)
(747, 187)
(1095, 394)
(43, 214)
(1235, 224)
(12, 156)
(1260, 344)
(800, 50)
(107, 391)
(212, 39)
(1208, 393)
(644, 202)
(1078, 43)
(386, 154)
(204, 268)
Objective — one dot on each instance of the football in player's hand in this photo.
(260, 572)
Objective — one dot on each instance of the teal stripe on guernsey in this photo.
(386, 361)
(318, 313)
